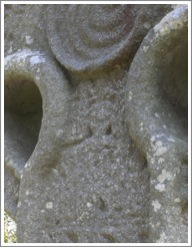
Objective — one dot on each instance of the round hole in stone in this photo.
(23, 115)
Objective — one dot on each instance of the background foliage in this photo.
(9, 229)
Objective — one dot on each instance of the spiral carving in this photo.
(87, 37)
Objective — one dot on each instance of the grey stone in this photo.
(98, 36)
(157, 102)
(96, 123)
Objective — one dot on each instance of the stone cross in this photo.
(96, 122)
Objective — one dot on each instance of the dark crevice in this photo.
(108, 130)
(102, 205)
(89, 131)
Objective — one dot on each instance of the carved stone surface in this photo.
(98, 36)
(96, 122)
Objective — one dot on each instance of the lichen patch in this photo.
(164, 175)
(156, 205)
(49, 205)
(160, 187)
(29, 39)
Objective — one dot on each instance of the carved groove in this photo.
(93, 41)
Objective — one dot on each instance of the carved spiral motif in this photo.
(86, 37)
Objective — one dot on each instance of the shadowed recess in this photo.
(174, 79)
(23, 114)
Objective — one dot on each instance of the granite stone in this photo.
(96, 122)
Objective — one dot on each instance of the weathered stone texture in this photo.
(96, 123)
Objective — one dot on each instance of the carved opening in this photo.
(174, 80)
(23, 115)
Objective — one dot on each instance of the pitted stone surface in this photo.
(102, 35)
(95, 140)
(100, 190)
(163, 136)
